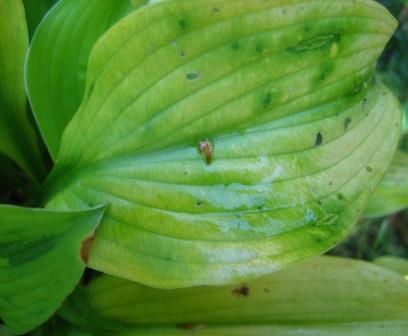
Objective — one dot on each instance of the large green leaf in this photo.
(230, 138)
(392, 194)
(58, 58)
(325, 296)
(42, 258)
(17, 137)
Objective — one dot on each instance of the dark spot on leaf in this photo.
(182, 24)
(267, 100)
(266, 290)
(182, 53)
(199, 203)
(190, 326)
(241, 291)
(259, 49)
(330, 183)
(192, 76)
(340, 197)
(319, 139)
(216, 9)
(206, 149)
(235, 46)
(369, 169)
(86, 248)
(347, 122)
(374, 80)
(320, 202)
(318, 42)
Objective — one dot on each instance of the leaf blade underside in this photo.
(254, 144)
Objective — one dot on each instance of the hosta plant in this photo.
(196, 143)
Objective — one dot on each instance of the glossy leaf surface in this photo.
(42, 258)
(58, 59)
(392, 194)
(228, 144)
(323, 296)
(17, 138)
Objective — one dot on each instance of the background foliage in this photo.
(387, 236)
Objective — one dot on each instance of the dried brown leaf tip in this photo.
(86, 248)
(206, 148)
(241, 291)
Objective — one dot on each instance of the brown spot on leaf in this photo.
(206, 149)
(86, 248)
(241, 291)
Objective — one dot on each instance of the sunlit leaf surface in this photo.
(229, 138)
(42, 257)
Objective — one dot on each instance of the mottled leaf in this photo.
(229, 138)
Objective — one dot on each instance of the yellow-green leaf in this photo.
(229, 138)
(325, 296)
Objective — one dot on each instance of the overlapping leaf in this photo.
(324, 296)
(42, 258)
(392, 194)
(230, 138)
(17, 138)
(58, 58)
(35, 12)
